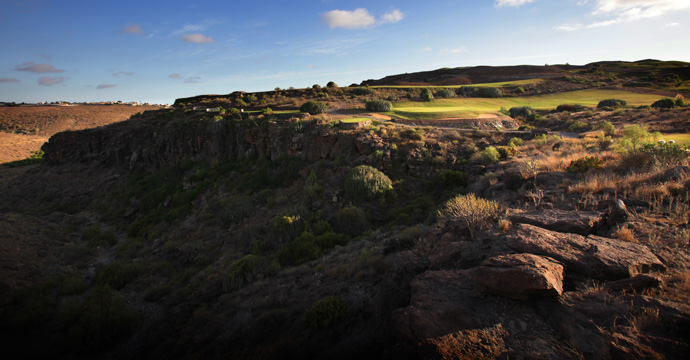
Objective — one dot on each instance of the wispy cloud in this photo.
(126, 73)
(9, 80)
(106, 86)
(458, 50)
(193, 80)
(672, 24)
(198, 38)
(513, 3)
(31, 66)
(132, 29)
(187, 28)
(392, 17)
(359, 18)
(309, 66)
(175, 76)
(621, 11)
(424, 49)
(50, 80)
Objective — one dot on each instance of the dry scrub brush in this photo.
(472, 211)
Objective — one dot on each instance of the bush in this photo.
(35, 158)
(608, 128)
(611, 103)
(413, 134)
(666, 154)
(363, 91)
(488, 92)
(515, 142)
(351, 220)
(506, 151)
(634, 135)
(327, 311)
(473, 212)
(249, 268)
(665, 103)
(579, 126)
(445, 94)
(584, 164)
(379, 105)
(366, 183)
(313, 107)
(426, 95)
(570, 108)
(521, 111)
(331, 85)
(489, 155)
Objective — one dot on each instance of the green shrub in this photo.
(608, 128)
(366, 183)
(331, 85)
(515, 142)
(488, 92)
(325, 312)
(579, 126)
(634, 135)
(665, 103)
(413, 134)
(267, 111)
(473, 212)
(570, 108)
(103, 239)
(392, 98)
(313, 107)
(300, 250)
(351, 220)
(426, 95)
(234, 208)
(506, 151)
(521, 111)
(584, 164)
(249, 268)
(363, 91)
(489, 155)
(118, 274)
(666, 154)
(157, 293)
(379, 105)
(445, 94)
(612, 103)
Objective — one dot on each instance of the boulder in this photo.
(594, 256)
(517, 276)
(578, 222)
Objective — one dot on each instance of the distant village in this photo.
(67, 103)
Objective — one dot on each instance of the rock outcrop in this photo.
(517, 276)
(578, 222)
(594, 256)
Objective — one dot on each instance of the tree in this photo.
(331, 84)
(426, 95)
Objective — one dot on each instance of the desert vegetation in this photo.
(357, 232)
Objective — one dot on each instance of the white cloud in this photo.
(620, 11)
(133, 29)
(424, 49)
(175, 76)
(193, 80)
(309, 66)
(105, 86)
(513, 3)
(50, 81)
(9, 80)
(198, 38)
(392, 17)
(357, 19)
(672, 24)
(31, 66)
(458, 50)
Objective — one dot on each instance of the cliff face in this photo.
(164, 139)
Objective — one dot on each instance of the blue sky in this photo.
(156, 51)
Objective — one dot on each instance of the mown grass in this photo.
(678, 138)
(354, 120)
(473, 107)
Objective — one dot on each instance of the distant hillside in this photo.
(645, 72)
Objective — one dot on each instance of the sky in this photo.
(157, 51)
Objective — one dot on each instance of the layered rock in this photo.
(594, 256)
(517, 276)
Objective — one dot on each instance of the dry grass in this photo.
(625, 234)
